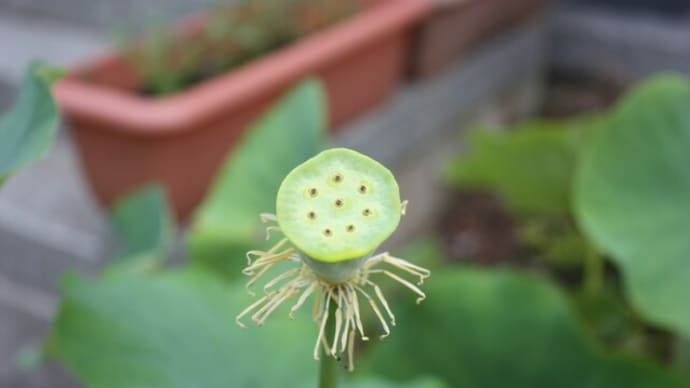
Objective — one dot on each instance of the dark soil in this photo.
(570, 95)
(479, 229)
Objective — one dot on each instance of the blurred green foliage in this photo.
(531, 166)
(609, 318)
(144, 225)
(555, 241)
(502, 328)
(378, 382)
(621, 178)
(227, 224)
(632, 197)
(477, 328)
(27, 130)
(173, 329)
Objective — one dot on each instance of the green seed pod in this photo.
(339, 205)
(334, 210)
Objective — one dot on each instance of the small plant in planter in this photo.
(231, 36)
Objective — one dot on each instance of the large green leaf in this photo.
(28, 130)
(632, 197)
(481, 329)
(531, 166)
(227, 223)
(175, 330)
(144, 224)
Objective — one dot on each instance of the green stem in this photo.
(328, 371)
(594, 273)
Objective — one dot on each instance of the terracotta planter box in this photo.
(126, 140)
(456, 26)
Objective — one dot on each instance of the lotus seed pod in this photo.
(334, 210)
(339, 205)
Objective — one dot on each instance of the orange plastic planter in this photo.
(126, 140)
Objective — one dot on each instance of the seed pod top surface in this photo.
(338, 205)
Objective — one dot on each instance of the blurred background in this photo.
(509, 61)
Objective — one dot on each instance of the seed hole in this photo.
(350, 228)
(366, 212)
(337, 178)
(363, 189)
(327, 232)
(338, 203)
(311, 215)
(313, 192)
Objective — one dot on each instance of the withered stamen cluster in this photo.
(302, 281)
